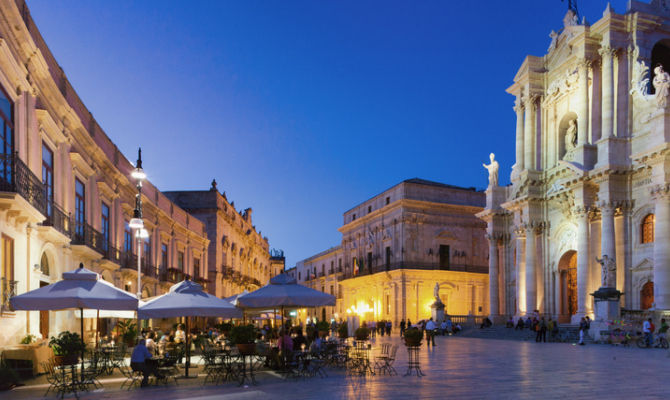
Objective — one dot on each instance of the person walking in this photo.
(430, 332)
(402, 327)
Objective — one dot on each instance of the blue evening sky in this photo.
(303, 109)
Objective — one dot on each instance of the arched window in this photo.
(648, 229)
(44, 264)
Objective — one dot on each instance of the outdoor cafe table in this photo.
(70, 378)
(359, 359)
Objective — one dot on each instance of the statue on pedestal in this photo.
(608, 271)
(436, 293)
(493, 170)
(661, 84)
(571, 135)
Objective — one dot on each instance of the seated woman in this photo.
(519, 324)
(140, 360)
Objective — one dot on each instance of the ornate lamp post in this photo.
(137, 224)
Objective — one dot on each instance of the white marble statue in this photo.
(608, 271)
(493, 170)
(661, 84)
(436, 292)
(571, 135)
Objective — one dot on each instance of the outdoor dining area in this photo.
(227, 344)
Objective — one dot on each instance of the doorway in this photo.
(647, 296)
(567, 269)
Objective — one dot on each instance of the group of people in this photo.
(648, 329)
(380, 327)
(539, 325)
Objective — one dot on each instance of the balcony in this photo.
(149, 270)
(128, 260)
(363, 271)
(84, 235)
(175, 275)
(16, 177)
(8, 288)
(113, 254)
(58, 219)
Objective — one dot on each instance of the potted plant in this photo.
(67, 347)
(244, 336)
(362, 333)
(28, 339)
(127, 330)
(323, 327)
(225, 327)
(343, 330)
(413, 337)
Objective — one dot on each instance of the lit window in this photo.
(648, 229)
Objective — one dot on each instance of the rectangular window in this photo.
(323, 269)
(6, 137)
(353, 217)
(104, 224)
(370, 262)
(48, 177)
(369, 209)
(339, 265)
(180, 261)
(7, 270)
(331, 290)
(127, 239)
(79, 208)
(388, 200)
(164, 255)
(299, 277)
(444, 257)
(332, 267)
(388, 258)
(147, 251)
(196, 268)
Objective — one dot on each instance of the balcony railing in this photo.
(8, 288)
(58, 219)
(84, 234)
(149, 270)
(365, 270)
(16, 177)
(128, 260)
(175, 275)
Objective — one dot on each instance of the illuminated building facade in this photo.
(592, 170)
(66, 195)
(396, 246)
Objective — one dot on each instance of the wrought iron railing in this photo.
(175, 275)
(149, 270)
(365, 270)
(15, 176)
(128, 260)
(113, 254)
(58, 219)
(8, 288)
(84, 234)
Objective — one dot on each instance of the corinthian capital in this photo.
(606, 51)
(581, 211)
(518, 104)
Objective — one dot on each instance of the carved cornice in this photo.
(536, 227)
(581, 211)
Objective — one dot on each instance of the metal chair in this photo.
(384, 364)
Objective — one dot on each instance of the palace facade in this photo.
(396, 246)
(238, 256)
(592, 170)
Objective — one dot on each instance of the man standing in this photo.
(648, 332)
(402, 327)
(430, 332)
(582, 329)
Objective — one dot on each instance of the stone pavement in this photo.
(460, 368)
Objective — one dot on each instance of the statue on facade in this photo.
(661, 84)
(608, 271)
(571, 135)
(493, 170)
(436, 292)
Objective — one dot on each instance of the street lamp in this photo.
(137, 224)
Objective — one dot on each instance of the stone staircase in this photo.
(567, 334)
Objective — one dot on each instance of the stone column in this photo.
(520, 273)
(583, 116)
(529, 132)
(661, 195)
(493, 275)
(531, 277)
(607, 54)
(608, 243)
(519, 108)
(582, 217)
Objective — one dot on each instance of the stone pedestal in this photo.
(353, 323)
(437, 311)
(607, 308)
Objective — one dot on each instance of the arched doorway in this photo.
(567, 269)
(647, 296)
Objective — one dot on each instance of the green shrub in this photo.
(242, 334)
(28, 339)
(67, 344)
(362, 333)
(343, 330)
(322, 326)
(413, 337)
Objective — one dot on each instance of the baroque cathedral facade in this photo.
(592, 170)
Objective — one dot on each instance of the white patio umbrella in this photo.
(80, 289)
(283, 291)
(187, 299)
(233, 299)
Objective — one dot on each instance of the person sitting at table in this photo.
(180, 335)
(299, 340)
(317, 346)
(138, 362)
(151, 343)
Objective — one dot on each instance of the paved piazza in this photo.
(460, 368)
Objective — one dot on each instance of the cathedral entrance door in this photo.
(647, 296)
(567, 269)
